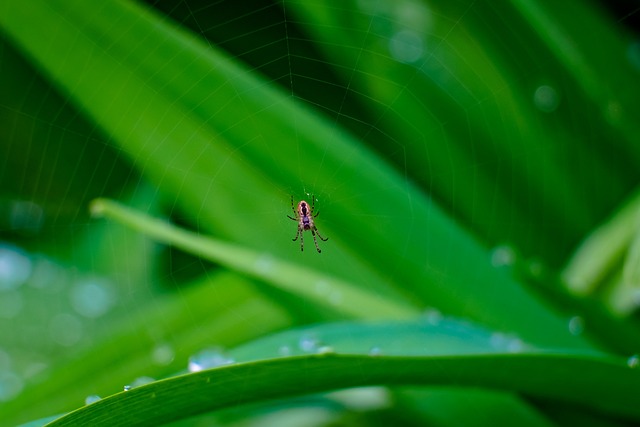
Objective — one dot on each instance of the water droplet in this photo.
(47, 275)
(634, 361)
(406, 46)
(65, 329)
(506, 342)
(576, 325)
(502, 256)
(163, 354)
(93, 398)
(10, 385)
(325, 349)
(140, 381)
(515, 345)
(209, 358)
(15, 267)
(499, 340)
(308, 343)
(546, 99)
(433, 316)
(127, 388)
(284, 351)
(375, 351)
(93, 297)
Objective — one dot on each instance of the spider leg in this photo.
(293, 208)
(301, 239)
(313, 232)
(324, 239)
(298, 234)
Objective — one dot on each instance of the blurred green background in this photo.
(459, 153)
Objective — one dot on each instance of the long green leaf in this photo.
(439, 351)
(315, 286)
(600, 384)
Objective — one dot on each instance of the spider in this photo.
(305, 217)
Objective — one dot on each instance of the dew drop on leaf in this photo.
(163, 354)
(503, 256)
(325, 349)
(433, 316)
(576, 325)
(284, 350)
(209, 358)
(308, 343)
(93, 398)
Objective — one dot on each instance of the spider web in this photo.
(55, 161)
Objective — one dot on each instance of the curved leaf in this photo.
(598, 383)
(285, 275)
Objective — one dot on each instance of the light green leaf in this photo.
(312, 285)
(595, 382)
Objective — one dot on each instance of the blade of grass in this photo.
(600, 384)
(284, 275)
(434, 335)
(603, 250)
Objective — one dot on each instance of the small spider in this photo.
(305, 217)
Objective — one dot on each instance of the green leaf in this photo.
(604, 250)
(598, 383)
(284, 275)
